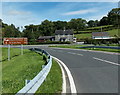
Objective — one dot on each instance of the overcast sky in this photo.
(25, 13)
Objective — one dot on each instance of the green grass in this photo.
(107, 50)
(99, 27)
(83, 36)
(114, 32)
(53, 82)
(83, 31)
(97, 49)
(68, 46)
(18, 69)
(13, 52)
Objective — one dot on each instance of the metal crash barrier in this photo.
(36, 82)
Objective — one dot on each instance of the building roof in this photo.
(100, 34)
(45, 37)
(63, 32)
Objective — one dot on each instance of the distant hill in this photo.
(113, 31)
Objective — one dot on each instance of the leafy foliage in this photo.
(9, 30)
(47, 28)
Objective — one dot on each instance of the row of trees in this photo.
(9, 30)
(47, 28)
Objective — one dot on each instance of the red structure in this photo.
(15, 41)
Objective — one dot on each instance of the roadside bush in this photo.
(48, 42)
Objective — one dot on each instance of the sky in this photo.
(26, 13)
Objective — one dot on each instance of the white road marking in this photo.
(75, 53)
(80, 54)
(71, 52)
(53, 50)
(106, 61)
(72, 84)
(60, 51)
(63, 76)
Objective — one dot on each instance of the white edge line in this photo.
(106, 61)
(63, 76)
(72, 84)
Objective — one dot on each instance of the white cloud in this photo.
(96, 17)
(81, 12)
(15, 12)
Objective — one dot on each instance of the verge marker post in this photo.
(8, 52)
(21, 49)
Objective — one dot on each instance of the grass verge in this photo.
(85, 35)
(53, 82)
(97, 49)
(103, 49)
(13, 53)
(18, 69)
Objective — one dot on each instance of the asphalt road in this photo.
(93, 72)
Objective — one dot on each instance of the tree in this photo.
(77, 24)
(104, 21)
(10, 31)
(114, 16)
(47, 27)
(91, 23)
(59, 25)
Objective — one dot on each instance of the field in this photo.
(19, 68)
(106, 26)
(87, 33)
(83, 36)
(114, 32)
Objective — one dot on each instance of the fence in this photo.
(36, 82)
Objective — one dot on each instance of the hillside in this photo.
(113, 32)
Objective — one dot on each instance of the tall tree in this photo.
(114, 16)
(77, 24)
(104, 21)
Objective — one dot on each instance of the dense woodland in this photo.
(47, 28)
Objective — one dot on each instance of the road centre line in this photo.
(71, 53)
(106, 61)
(76, 53)
(60, 51)
(80, 54)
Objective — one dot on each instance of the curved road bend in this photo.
(93, 72)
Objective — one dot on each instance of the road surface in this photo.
(92, 72)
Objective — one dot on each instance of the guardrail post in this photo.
(8, 52)
(27, 81)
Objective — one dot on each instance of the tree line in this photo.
(47, 28)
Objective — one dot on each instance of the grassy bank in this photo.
(53, 83)
(13, 53)
(103, 49)
(68, 46)
(84, 35)
(19, 68)
(97, 49)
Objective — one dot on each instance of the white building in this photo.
(100, 35)
(64, 35)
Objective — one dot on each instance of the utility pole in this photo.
(101, 28)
